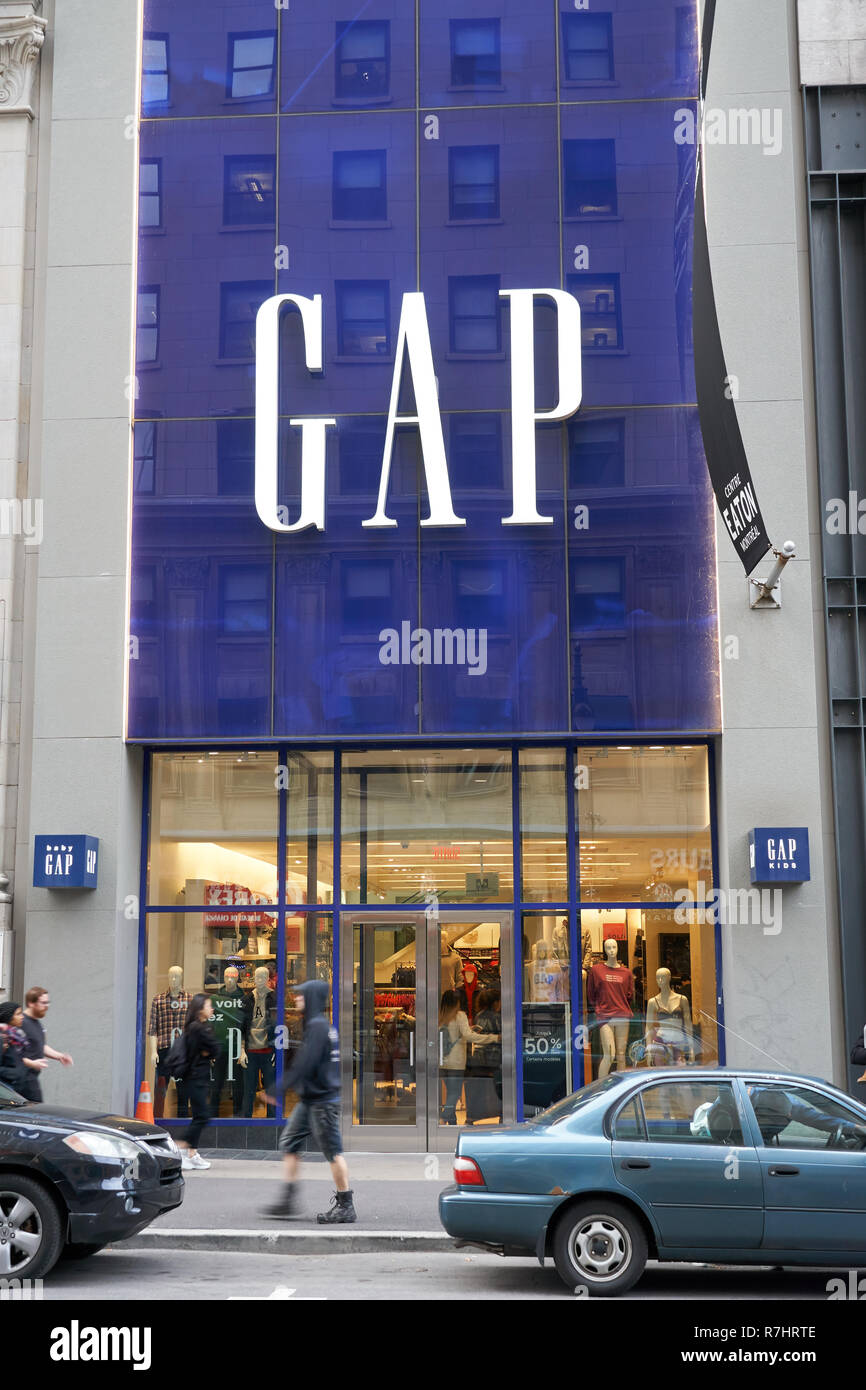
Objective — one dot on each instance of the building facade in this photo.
(500, 720)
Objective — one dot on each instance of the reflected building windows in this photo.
(248, 197)
(598, 593)
(474, 318)
(363, 60)
(155, 80)
(587, 47)
(363, 318)
(360, 458)
(244, 599)
(367, 594)
(359, 186)
(142, 594)
(596, 453)
(144, 457)
(473, 182)
(239, 304)
(600, 315)
(686, 62)
(252, 65)
(476, 55)
(479, 597)
(476, 450)
(147, 324)
(589, 168)
(236, 458)
(150, 193)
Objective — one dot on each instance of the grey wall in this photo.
(782, 997)
(78, 774)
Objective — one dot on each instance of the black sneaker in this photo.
(341, 1211)
(285, 1207)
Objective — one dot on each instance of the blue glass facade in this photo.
(360, 153)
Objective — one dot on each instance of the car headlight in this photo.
(171, 1145)
(102, 1145)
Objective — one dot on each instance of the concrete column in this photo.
(22, 32)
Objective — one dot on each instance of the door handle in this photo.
(636, 1163)
(783, 1170)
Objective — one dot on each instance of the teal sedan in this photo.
(683, 1163)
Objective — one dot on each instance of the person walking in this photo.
(315, 1077)
(16, 1070)
(201, 1047)
(37, 1002)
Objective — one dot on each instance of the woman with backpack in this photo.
(454, 1033)
(200, 1047)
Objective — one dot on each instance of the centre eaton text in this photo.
(739, 511)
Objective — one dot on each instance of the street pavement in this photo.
(134, 1276)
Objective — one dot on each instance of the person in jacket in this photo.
(201, 1048)
(16, 1070)
(315, 1077)
(454, 1033)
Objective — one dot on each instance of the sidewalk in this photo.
(396, 1199)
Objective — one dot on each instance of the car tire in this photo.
(27, 1211)
(599, 1246)
(79, 1252)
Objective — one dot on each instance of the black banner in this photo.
(723, 444)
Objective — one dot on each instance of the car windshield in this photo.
(10, 1097)
(577, 1101)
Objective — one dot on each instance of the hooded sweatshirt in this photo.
(315, 1073)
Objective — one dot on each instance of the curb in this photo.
(293, 1242)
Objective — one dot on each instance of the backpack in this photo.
(176, 1064)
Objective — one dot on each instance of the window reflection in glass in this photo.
(363, 60)
(543, 847)
(475, 53)
(252, 65)
(547, 1027)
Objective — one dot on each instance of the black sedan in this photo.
(71, 1181)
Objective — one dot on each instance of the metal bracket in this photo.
(767, 593)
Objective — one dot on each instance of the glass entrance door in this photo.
(427, 1023)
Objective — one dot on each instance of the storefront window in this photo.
(213, 829)
(649, 989)
(309, 956)
(430, 823)
(547, 1024)
(309, 779)
(542, 825)
(643, 816)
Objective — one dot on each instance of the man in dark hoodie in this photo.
(315, 1077)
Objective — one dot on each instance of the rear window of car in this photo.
(564, 1108)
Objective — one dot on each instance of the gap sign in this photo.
(65, 861)
(779, 855)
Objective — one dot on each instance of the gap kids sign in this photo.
(413, 350)
(65, 861)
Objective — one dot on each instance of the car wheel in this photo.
(79, 1252)
(601, 1247)
(31, 1232)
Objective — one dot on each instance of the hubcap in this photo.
(20, 1233)
(600, 1248)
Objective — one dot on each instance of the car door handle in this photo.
(783, 1171)
(636, 1163)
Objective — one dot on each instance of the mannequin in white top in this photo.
(668, 1025)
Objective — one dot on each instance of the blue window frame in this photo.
(155, 83)
(236, 458)
(360, 192)
(239, 304)
(363, 60)
(597, 592)
(475, 323)
(587, 46)
(596, 453)
(473, 181)
(363, 318)
(244, 599)
(476, 450)
(252, 65)
(150, 194)
(589, 172)
(147, 324)
(600, 316)
(476, 53)
(248, 190)
(144, 457)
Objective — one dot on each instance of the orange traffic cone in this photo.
(144, 1109)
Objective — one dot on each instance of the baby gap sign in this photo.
(413, 350)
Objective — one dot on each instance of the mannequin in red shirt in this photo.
(610, 992)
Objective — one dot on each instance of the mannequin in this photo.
(560, 944)
(230, 1007)
(668, 1025)
(259, 1038)
(167, 1017)
(450, 967)
(545, 975)
(610, 992)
